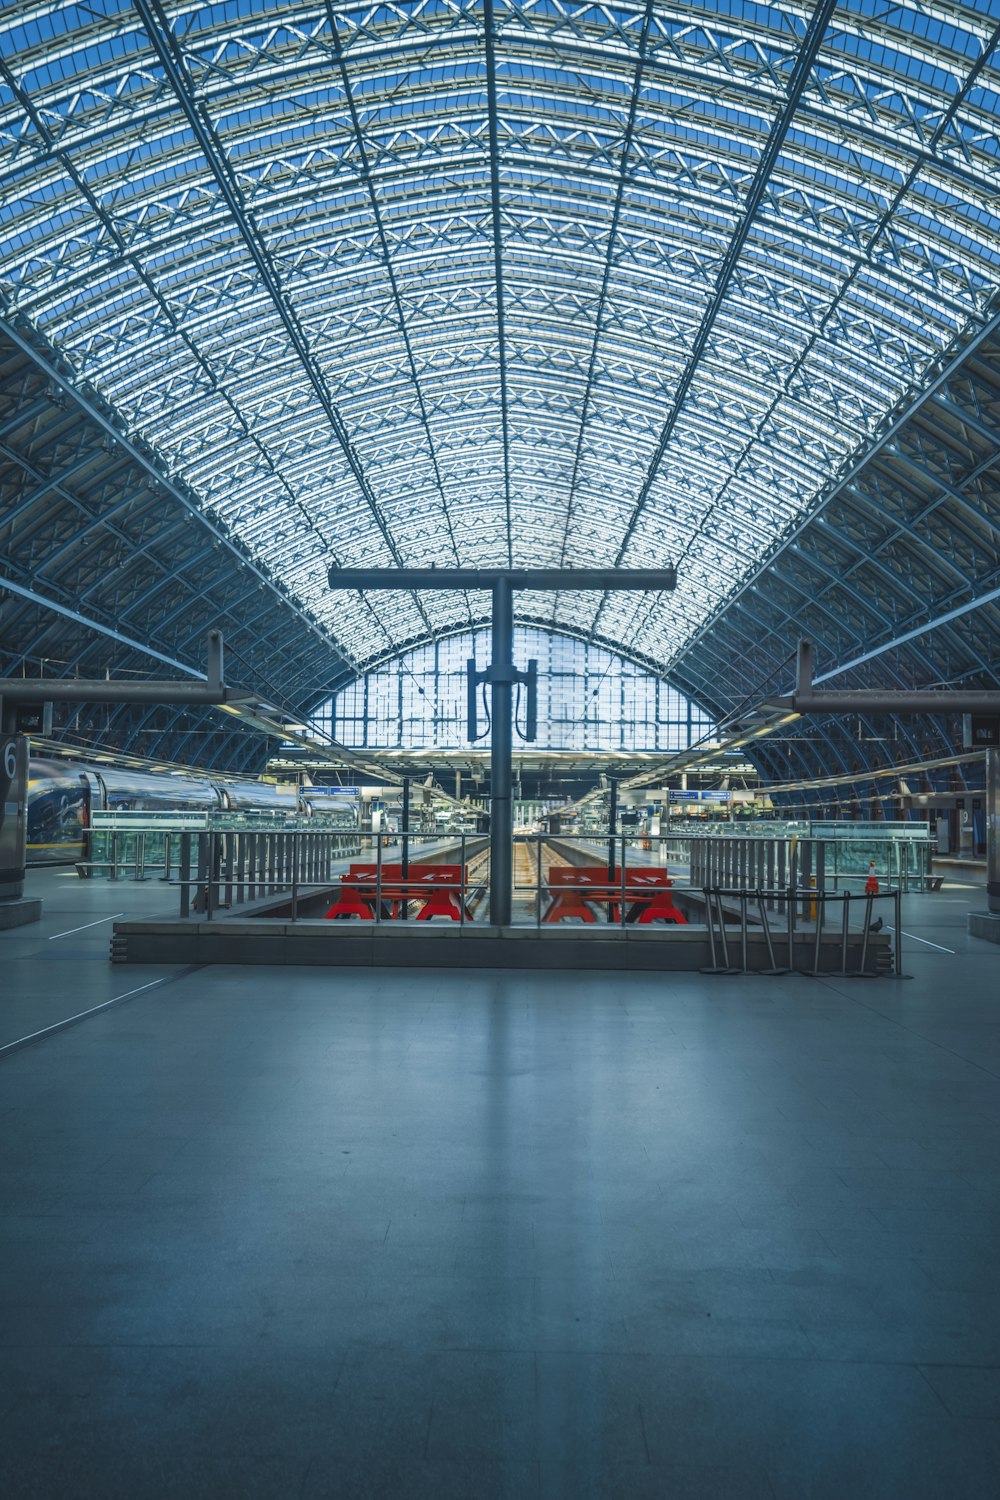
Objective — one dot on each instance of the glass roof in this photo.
(463, 281)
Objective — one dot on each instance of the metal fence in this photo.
(765, 905)
(793, 948)
(221, 871)
(831, 861)
(138, 847)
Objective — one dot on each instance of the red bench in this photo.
(574, 889)
(438, 887)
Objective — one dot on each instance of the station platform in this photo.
(322, 1233)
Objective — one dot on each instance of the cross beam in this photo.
(806, 700)
(212, 690)
(581, 579)
(501, 583)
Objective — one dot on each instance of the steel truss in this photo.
(374, 280)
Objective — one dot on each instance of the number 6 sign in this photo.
(13, 819)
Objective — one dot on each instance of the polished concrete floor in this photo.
(337, 1234)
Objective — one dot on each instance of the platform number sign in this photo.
(8, 771)
(8, 766)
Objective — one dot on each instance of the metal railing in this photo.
(127, 849)
(733, 860)
(795, 938)
(755, 895)
(223, 871)
(759, 859)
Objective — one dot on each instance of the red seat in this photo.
(647, 891)
(438, 887)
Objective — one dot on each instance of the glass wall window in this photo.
(588, 699)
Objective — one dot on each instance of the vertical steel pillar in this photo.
(993, 829)
(501, 807)
(404, 832)
(612, 826)
(215, 675)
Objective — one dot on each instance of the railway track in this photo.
(526, 864)
(526, 881)
(526, 905)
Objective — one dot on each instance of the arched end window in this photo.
(588, 699)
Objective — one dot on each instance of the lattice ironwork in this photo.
(473, 279)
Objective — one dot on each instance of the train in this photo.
(64, 795)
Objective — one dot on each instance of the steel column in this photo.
(993, 830)
(501, 806)
(404, 834)
(501, 674)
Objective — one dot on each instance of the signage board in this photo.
(8, 769)
(13, 819)
(33, 718)
(677, 796)
(981, 731)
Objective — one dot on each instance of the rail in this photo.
(774, 914)
(221, 871)
(761, 859)
(794, 939)
(127, 850)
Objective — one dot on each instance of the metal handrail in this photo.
(230, 868)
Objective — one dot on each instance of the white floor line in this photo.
(70, 930)
(913, 938)
(33, 1036)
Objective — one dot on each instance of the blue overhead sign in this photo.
(699, 796)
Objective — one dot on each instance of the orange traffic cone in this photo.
(871, 884)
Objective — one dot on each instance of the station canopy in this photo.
(484, 283)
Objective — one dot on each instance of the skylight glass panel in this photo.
(360, 324)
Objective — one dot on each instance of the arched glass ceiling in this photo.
(463, 280)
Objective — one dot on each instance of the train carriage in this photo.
(64, 795)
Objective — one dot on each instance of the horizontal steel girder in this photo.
(98, 690)
(102, 690)
(649, 580)
(884, 701)
(805, 699)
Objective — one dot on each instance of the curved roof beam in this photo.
(171, 58)
(804, 61)
(889, 433)
(602, 296)
(489, 44)
(807, 57)
(366, 173)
